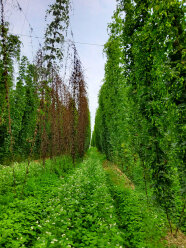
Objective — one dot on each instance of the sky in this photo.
(89, 20)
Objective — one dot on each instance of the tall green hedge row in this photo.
(140, 121)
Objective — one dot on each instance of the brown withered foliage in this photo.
(64, 113)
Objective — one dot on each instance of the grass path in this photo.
(82, 215)
(74, 209)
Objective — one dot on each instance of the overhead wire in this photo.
(31, 29)
(28, 1)
(67, 41)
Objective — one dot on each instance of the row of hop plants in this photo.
(140, 122)
(41, 115)
(64, 120)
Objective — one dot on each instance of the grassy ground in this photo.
(131, 204)
(91, 205)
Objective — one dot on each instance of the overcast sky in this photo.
(89, 20)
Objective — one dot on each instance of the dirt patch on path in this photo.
(117, 175)
(179, 241)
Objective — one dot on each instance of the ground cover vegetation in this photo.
(140, 123)
(23, 208)
(79, 206)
